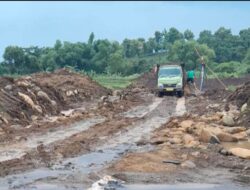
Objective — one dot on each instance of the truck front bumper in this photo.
(170, 89)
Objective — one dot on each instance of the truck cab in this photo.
(170, 80)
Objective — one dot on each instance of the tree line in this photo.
(223, 50)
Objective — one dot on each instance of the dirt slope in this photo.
(22, 99)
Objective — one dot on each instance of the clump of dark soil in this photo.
(25, 98)
(241, 95)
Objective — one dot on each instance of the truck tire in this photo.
(160, 94)
(180, 94)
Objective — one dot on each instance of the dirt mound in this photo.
(215, 84)
(26, 98)
(241, 95)
(216, 91)
(146, 81)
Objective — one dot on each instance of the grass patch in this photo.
(231, 88)
(115, 81)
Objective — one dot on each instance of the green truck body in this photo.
(170, 79)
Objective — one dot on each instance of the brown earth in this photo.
(26, 98)
(178, 140)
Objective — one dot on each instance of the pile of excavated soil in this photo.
(24, 99)
(146, 81)
(216, 91)
(215, 84)
(240, 97)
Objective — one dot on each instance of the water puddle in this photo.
(187, 186)
(111, 150)
(180, 107)
(18, 150)
(141, 111)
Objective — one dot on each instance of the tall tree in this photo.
(174, 35)
(184, 52)
(188, 35)
(91, 38)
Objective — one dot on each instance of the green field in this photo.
(114, 81)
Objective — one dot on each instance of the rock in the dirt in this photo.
(34, 117)
(8, 87)
(29, 102)
(188, 139)
(188, 164)
(225, 137)
(240, 152)
(214, 140)
(104, 98)
(175, 140)
(241, 136)
(38, 109)
(228, 120)
(224, 152)
(23, 83)
(233, 130)
(107, 183)
(69, 93)
(248, 132)
(186, 124)
(207, 137)
(196, 154)
(3, 119)
(76, 92)
(67, 113)
(243, 107)
(43, 95)
(117, 93)
(53, 103)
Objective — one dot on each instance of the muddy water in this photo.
(180, 107)
(141, 111)
(18, 150)
(188, 186)
(156, 115)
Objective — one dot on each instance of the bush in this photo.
(228, 67)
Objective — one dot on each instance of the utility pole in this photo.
(203, 71)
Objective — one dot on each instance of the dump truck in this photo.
(170, 79)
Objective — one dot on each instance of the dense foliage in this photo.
(222, 50)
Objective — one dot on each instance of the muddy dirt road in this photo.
(142, 141)
(146, 118)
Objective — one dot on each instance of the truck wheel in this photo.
(180, 94)
(160, 94)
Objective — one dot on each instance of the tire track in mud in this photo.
(16, 151)
(150, 118)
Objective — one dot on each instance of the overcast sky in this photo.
(42, 23)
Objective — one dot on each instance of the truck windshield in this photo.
(169, 72)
